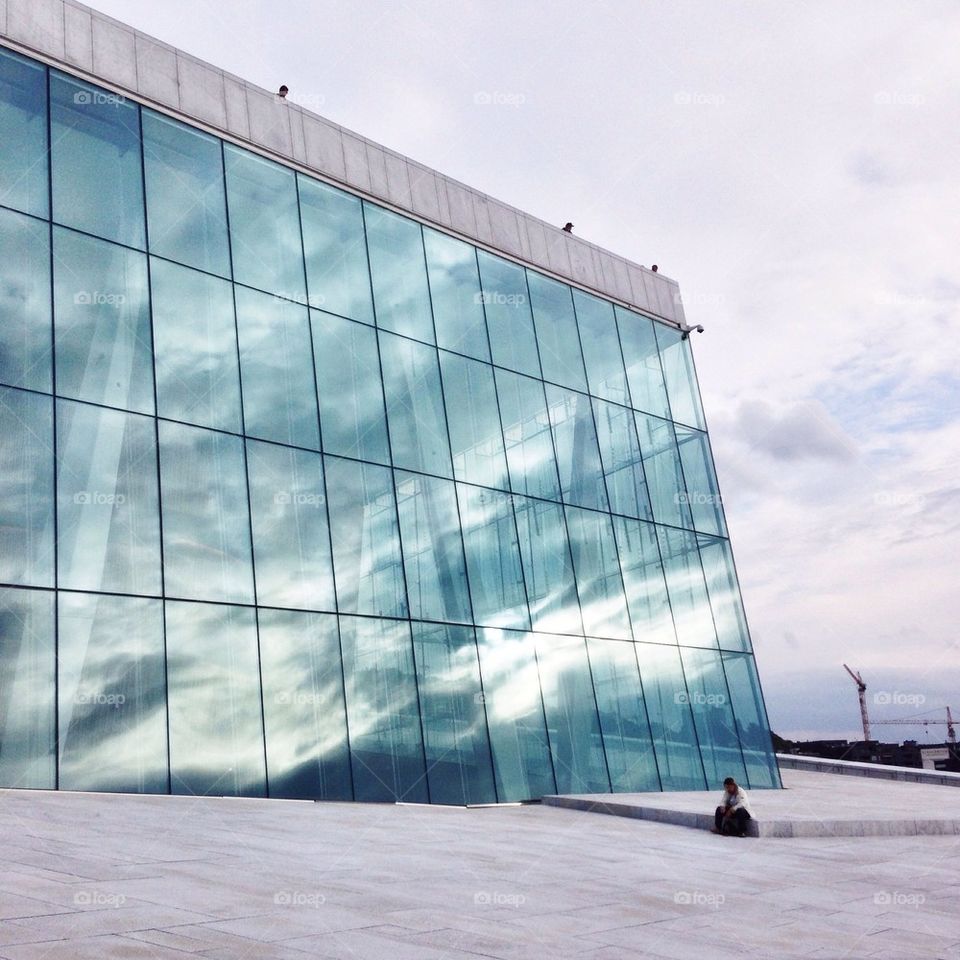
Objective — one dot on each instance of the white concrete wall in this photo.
(102, 49)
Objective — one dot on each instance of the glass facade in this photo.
(300, 498)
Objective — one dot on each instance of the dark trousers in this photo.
(735, 824)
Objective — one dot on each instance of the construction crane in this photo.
(862, 691)
(919, 719)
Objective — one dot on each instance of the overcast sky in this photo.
(795, 166)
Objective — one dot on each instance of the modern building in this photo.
(326, 476)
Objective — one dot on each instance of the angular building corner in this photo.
(324, 476)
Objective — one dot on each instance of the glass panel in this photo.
(752, 725)
(26, 488)
(688, 594)
(108, 518)
(547, 565)
(575, 440)
(399, 273)
(195, 343)
(623, 717)
(622, 461)
(702, 493)
(459, 768)
(571, 710)
(291, 540)
(557, 332)
(352, 411)
(601, 347)
(23, 132)
(493, 558)
(335, 250)
(671, 722)
(186, 204)
(514, 707)
(643, 580)
(264, 224)
(276, 369)
(432, 548)
(95, 150)
(474, 421)
(716, 730)
(206, 526)
(382, 710)
(680, 377)
(509, 320)
(27, 689)
(661, 463)
(112, 690)
(721, 577)
(304, 712)
(102, 321)
(418, 427)
(367, 561)
(526, 436)
(25, 315)
(642, 359)
(216, 726)
(455, 293)
(599, 583)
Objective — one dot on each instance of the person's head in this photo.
(730, 785)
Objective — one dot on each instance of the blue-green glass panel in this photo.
(493, 558)
(305, 718)
(578, 455)
(206, 524)
(27, 689)
(526, 436)
(97, 178)
(644, 582)
(186, 202)
(367, 561)
(623, 716)
(383, 715)
(514, 707)
(264, 224)
(459, 767)
(671, 720)
(622, 460)
(455, 294)
(26, 488)
(108, 517)
(112, 694)
(399, 274)
(642, 360)
(702, 492)
(101, 308)
(23, 133)
(195, 347)
(418, 426)
(216, 726)
(751, 718)
(601, 348)
(432, 548)
(291, 538)
(26, 318)
(685, 584)
(352, 412)
(661, 463)
(276, 370)
(597, 567)
(335, 250)
(724, 591)
(547, 566)
(506, 303)
(573, 725)
(713, 716)
(476, 440)
(557, 335)
(680, 377)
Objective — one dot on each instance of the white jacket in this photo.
(738, 801)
